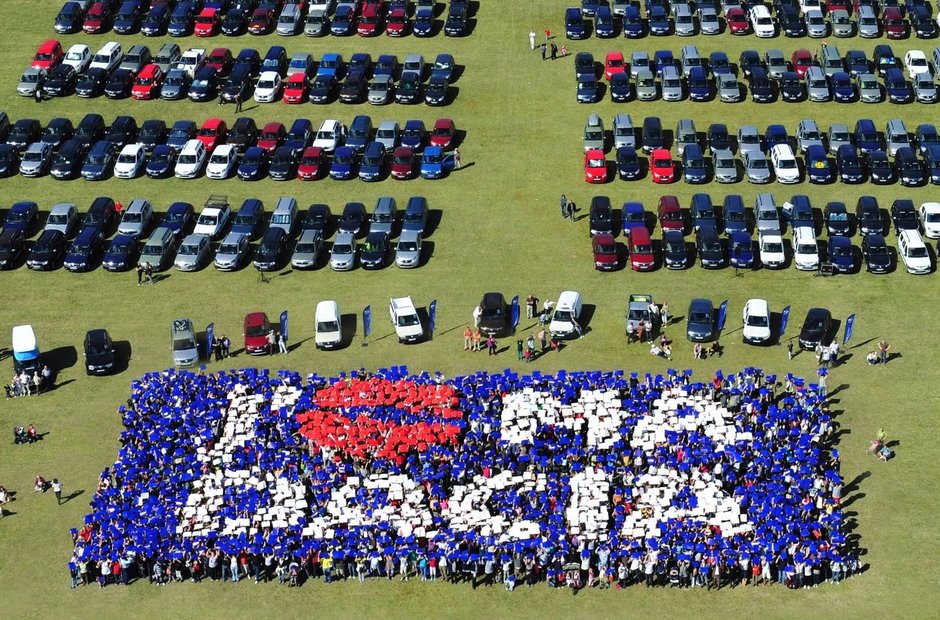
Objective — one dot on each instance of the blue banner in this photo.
(210, 333)
(784, 319)
(849, 326)
(284, 325)
(722, 314)
(432, 315)
(515, 312)
(367, 321)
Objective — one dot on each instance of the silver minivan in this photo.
(896, 136)
(183, 342)
(308, 249)
(624, 131)
(685, 134)
(808, 134)
(384, 215)
(671, 83)
(817, 86)
(288, 23)
(766, 215)
(284, 215)
(408, 249)
(136, 218)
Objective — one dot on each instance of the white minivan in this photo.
(190, 160)
(328, 325)
(567, 315)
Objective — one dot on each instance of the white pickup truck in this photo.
(405, 319)
(191, 60)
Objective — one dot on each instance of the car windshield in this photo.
(127, 158)
(189, 249)
(33, 156)
(342, 248)
(712, 246)
(773, 247)
(596, 163)
(226, 248)
(200, 83)
(838, 217)
(187, 159)
(662, 163)
(606, 248)
(740, 246)
(218, 159)
(791, 163)
(408, 320)
(806, 248)
(407, 246)
(326, 135)
(306, 248)
(131, 217)
(757, 164)
(757, 321)
(642, 248)
(208, 220)
(60, 218)
(699, 317)
(343, 158)
(80, 248)
(841, 251)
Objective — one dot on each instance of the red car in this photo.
(369, 21)
(737, 22)
(295, 88)
(403, 163)
(261, 21)
(397, 23)
(670, 214)
(98, 18)
(801, 60)
(838, 5)
(443, 133)
(147, 84)
(595, 166)
(48, 55)
(614, 63)
(272, 135)
(661, 166)
(313, 164)
(212, 133)
(221, 60)
(207, 23)
(256, 331)
(642, 255)
(895, 26)
(604, 248)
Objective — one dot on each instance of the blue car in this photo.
(604, 25)
(300, 135)
(413, 134)
(156, 20)
(181, 133)
(443, 67)
(818, 169)
(360, 132)
(122, 253)
(699, 85)
(435, 163)
(574, 24)
(800, 212)
(633, 215)
(85, 249)
(675, 252)
(424, 23)
(275, 59)
(344, 22)
(343, 166)
(718, 63)
(23, 216)
(734, 214)
(851, 168)
(249, 57)
(161, 162)
(125, 20)
(621, 90)
(415, 218)
(663, 59)
(587, 89)
(100, 161)
(741, 249)
(387, 64)
(250, 218)
(331, 64)
(373, 162)
(253, 164)
(702, 209)
(899, 91)
(632, 22)
(628, 163)
(322, 89)
(181, 20)
(774, 135)
(842, 89)
(179, 218)
(866, 136)
(841, 254)
(659, 21)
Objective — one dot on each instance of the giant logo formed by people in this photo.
(269, 463)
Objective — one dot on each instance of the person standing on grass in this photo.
(238, 103)
(571, 209)
(883, 348)
(564, 206)
(456, 159)
(519, 349)
(57, 489)
(554, 49)
(467, 339)
(491, 345)
(542, 47)
(532, 39)
(543, 341)
(140, 274)
(281, 343)
(530, 304)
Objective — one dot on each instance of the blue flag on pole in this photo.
(432, 315)
(284, 325)
(784, 319)
(515, 312)
(367, 321)
(722, 314)
(210, 335)
(849, 326)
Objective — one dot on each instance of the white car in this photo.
(268, 87)
(915, 61)
(805, 249)
(330, 135)
(756, 321)
(222, 162)
(772, 255)
(130, 161)
(191, 159)
(913, 252)
(212, 221)
(762, 22)
(784, 162)
(79, 56)
(930, 219)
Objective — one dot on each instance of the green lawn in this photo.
(499, 229)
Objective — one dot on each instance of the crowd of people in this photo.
(398, 476)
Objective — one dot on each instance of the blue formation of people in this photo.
(784, 475)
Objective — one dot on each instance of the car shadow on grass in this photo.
(122, 355)
(61, 358)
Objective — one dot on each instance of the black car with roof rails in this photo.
(60, 81)
(123, 131)
(12, 244)
(152, 133)
(815, 330)
(875, 252)
(101, 215)
(317, 217)
(91, 83)
(67, 161)
(90, 129)
(99, 352)
(47, 251)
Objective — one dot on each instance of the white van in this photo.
(328, 326)
(566, 318)
(108, 57)
(190, 160)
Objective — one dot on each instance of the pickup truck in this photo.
(191, 60)
(405, 319)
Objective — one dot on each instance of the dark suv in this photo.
(493, 314)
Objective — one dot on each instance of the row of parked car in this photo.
(707, 221)
(791, 18)
(217, 235)
(206, 18)
(93, 151)
(839, 154)
(172, 74)
(825, 76)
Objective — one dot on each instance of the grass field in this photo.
(499, 229)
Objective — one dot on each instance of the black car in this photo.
(904, 215)
(353, 89)
(243, 133)
(875, 251)
(122, 253)
(493, 314)
(101, 215)
(761, 90)
(620, 88)
(836, 217)
(85, 249)
(203, 87)
(815, 330)
(601, 215)
(122, 131)
(271, 249)
(60, 81)
(9, 160)
(47, 251)
(70, 17)
(92, 82)
(12, 243)
(456, 23)
(125, 21)
(791, 24)
(120, 84)
(283, 165)
(710, 253)
(409, 88)
(652, 136)
(910, 170)
(435, 93)
(234, 23)
(791, 88)
(374, 250)
(238, 83)
(152, 133)
(868, 216)
(880, 168)
(353, 218)
(322, 88)
(24, 132)
(57, 131)
(99, 352)
(90, 129)
(249, 58)
(67, 162)
(318, 217)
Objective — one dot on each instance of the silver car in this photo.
(868, 27)
(756, 167)
(646, 86)
(729, 91)
(924, 88)
(708, 22)
(726, 166)
(343, 252)
(36, 159)
(387, 134)
(624, 131)
(29, 80)
(594, 137)
(838, 135)
(869, 88)
(841, 24)
(816, 25)
(408, 249)
(317, 23)
(639, 61)
(748, 139)
(776, 63)
(671, 83)
(380, 90)
(137, 218)
(307, 251)
(766, 214)
(232, 251)
(817, 86)
(683, 20)
(183, 342)
(193, 253)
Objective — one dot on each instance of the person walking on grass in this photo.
(467, 339)
(57, 489)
